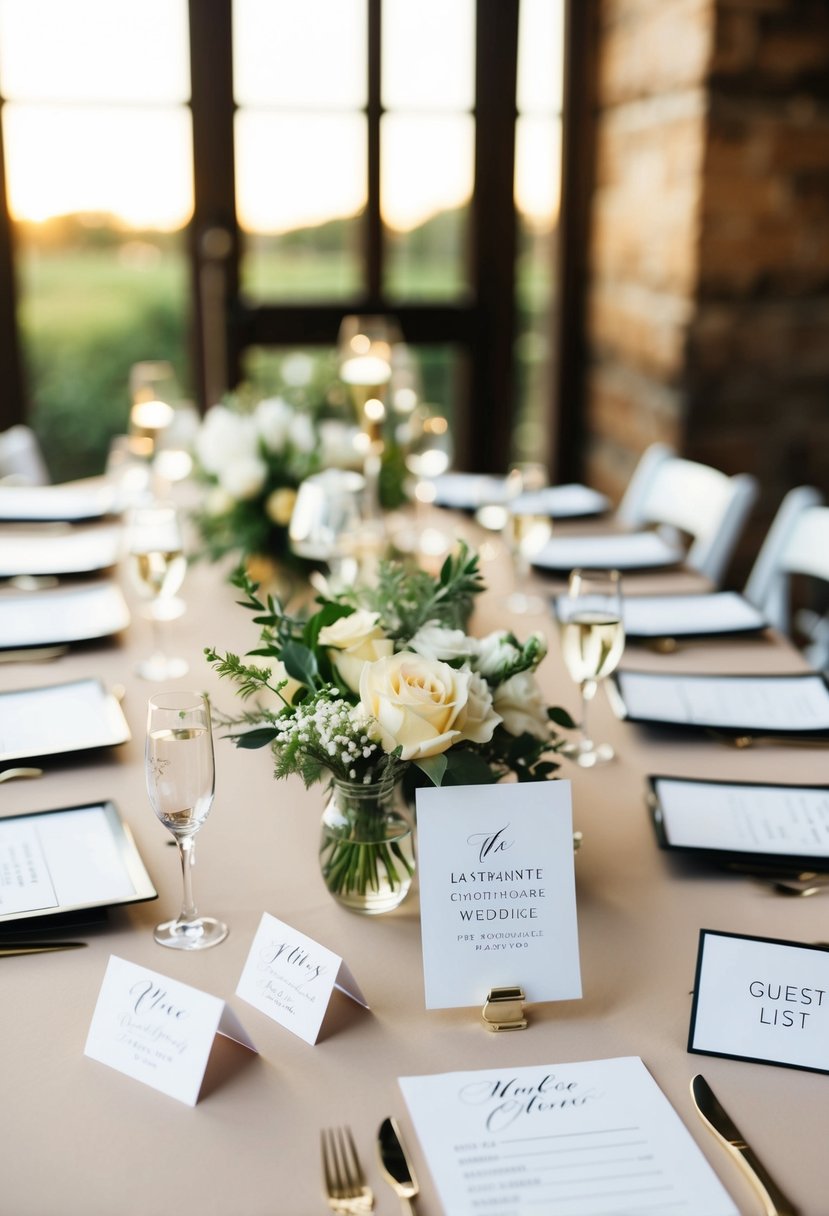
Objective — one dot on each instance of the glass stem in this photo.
(187, 854)
(157, 629)
(588, 692)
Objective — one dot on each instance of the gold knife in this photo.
(395, 1164)
(9, 948)
(775, 1203)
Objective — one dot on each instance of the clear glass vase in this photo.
(367, 853)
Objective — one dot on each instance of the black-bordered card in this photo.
(761, 1000)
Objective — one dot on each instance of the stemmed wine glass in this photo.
(429, 453)
(527, 528)
(180, 783)
(157, 565)
(592, 641)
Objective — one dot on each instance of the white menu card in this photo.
(765, 703)
(65, 614)
(622, 551)
(158, 1030)
(291, 978)
(78, 857)
(676, 616)
(69, 717)
(497, 892)
(77, 550)
(744, 817)
(597, 1138)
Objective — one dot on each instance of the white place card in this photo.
(597, 1138)
(677, 616)
(77, 550)
(743, 817)
(762, 703)
(497, 892)
(290, 977)
(158, 1030)
(65, 614)
(625, 551)
(761, 1000)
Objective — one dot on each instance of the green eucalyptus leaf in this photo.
(434, 767)
(251, 739)
(300, 663)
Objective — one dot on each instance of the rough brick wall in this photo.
(709, 261)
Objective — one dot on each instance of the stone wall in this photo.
(708, 304)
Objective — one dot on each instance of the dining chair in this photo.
(683, 497)
(797, 543)
(21, 460)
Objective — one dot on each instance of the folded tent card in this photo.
(157, 1030)
(291, 978)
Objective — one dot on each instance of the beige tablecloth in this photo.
(79, 1138)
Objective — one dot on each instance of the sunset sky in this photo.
(96, 115)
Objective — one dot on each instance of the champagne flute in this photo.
(592, 641)
(181, 782)
(157, 565)
(429, 453)
(527, 528)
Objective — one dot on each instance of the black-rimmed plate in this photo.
(77, 716)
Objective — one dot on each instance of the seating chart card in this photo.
(798, 703)
(70, 717)
(290, 977)
(722, 817)
(678, 616)
(78, 550)
(586, 1139)
(158, 1030)
(761, 1000)
(625, 551)
(497, 892)
(66, 614)
(65, 860)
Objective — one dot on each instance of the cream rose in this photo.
(243, 477)
(496, 651)
(353, 641)
(279, 506)
(433, 641)
(521, 705)
(424, 706)
(224, 436)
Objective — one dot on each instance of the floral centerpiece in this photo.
(382, 687)
(252, 458)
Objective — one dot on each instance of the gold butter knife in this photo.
(775, 1203)
(395, 1164)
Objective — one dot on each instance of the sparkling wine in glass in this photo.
(157, 566)
(180, 784)
(592, 641)
(527, 528)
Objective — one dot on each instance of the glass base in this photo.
(588, 754)
(160, 667)
(196, 934)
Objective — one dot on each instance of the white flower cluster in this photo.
(233, 447)
(339, 734)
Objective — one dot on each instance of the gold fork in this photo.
(345, 1185)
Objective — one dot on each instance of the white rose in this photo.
(244, 476)
(433, 641)
(273, 418)
(480, 717)
(224, 436)
(421, 705)
(337, 444)
(520, 703)
(301, 433)
(353, 641)
(217, 501)
(495, 652)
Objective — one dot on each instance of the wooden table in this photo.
(79, 1138)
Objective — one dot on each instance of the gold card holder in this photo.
(504, 1009)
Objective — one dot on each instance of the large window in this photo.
(256, 169)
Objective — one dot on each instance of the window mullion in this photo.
(12, 407)
(373, 220)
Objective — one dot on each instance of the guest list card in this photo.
(586, 1139)
(497, 892)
